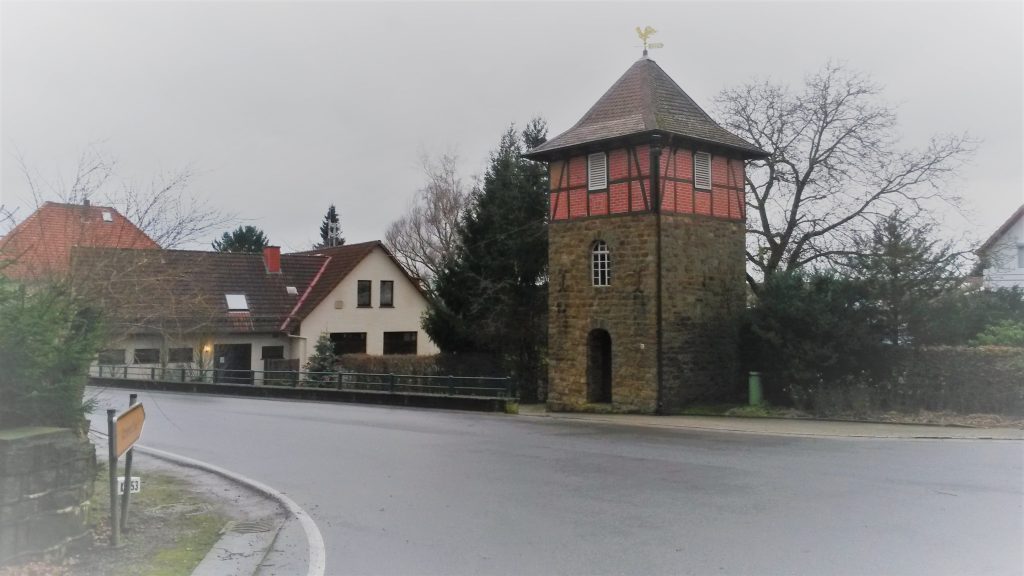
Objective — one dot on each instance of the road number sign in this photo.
(135, 486)
(128, 428)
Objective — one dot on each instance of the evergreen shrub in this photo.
(48, 339)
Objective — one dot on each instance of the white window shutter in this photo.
(597, 171)
(702, 170)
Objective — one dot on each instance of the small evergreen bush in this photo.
(48, 339)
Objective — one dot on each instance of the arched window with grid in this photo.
(601, 264)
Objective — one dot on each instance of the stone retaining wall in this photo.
(46, 483)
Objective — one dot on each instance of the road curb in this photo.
(314, 540)
(317, 551)
(668, 425)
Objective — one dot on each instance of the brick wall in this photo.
(629, 185)
(46, 481)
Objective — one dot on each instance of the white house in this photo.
(230, 316)
(365, 301)
(1003, 254)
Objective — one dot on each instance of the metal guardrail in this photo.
(474, 386)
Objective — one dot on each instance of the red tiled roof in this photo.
(41, 245)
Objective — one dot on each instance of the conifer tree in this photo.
(321, 362)
(330, 230)
(242, 239)
(905, 269)
(491, 296)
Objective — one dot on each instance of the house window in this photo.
(597, 171)
(399, 342)
(109, 357)
(349, 342)
(180, 355)
(601, 264)
(236, 302)
(702, 170)
(273, 352)
(387, 293)
(147, 356)
(363, 293)
(1020, 256)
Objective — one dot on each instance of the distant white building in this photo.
(1003, 254)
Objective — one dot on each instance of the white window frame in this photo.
(600, 264)
(597, 175)
(705, 182)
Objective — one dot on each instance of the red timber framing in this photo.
(629, 186)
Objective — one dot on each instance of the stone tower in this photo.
(646, 251)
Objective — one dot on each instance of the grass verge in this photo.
(171, 527)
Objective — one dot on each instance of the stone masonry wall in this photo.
(703, 294)
(46, 480)
(626, 309)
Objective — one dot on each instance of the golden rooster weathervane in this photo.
(645, 35)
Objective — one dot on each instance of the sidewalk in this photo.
(781, 426)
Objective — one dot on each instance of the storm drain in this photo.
(248, 527)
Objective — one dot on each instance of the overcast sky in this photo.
(284, 108)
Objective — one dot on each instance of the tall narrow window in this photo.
(601, 264)
(387, 293)
(363, 293)
(597, 171)
(702, 170)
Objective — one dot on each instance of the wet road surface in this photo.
(412, 491)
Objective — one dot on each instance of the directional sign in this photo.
(135, 486)
(128, 428)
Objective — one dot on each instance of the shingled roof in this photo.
(41, 244)
(644, 100)
(183, 291)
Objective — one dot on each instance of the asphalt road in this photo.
(409, 491)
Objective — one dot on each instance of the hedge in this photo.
(964, 380)
(434, 365)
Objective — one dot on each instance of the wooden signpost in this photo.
(123, 431)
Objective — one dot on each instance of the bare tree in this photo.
(163, 208)
(834, 167)
(427, 233)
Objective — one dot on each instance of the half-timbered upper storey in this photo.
(602, 166)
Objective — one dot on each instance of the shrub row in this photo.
(436, 365)
(959, 379)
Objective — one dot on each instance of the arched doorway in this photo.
(599, 366)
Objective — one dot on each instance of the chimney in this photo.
(272, 259)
